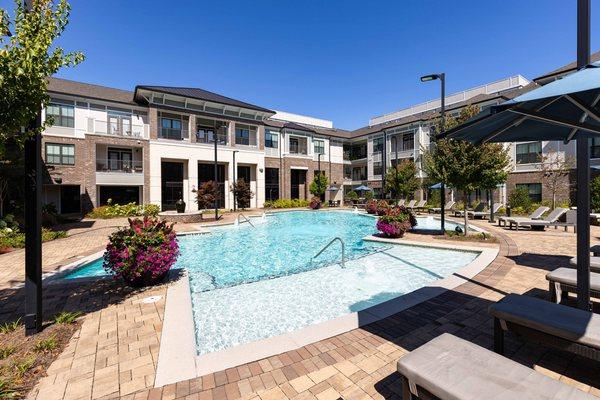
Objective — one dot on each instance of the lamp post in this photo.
(395, 138)
(442, 78)
(383, 164)
(234, 180)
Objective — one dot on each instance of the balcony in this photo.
(126, 130)
(172, 133)
(209, 138)
(298, 146)
(119, 172)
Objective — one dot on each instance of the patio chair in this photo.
(401, 202)
(563, 281)
(594, 263)
(556, 325)
(419, 206)
(551, 219)
(537, 214)
(478, 208)
(410, 204)
(483, 214)
(570, 220)
(448, 207)
(449, 367)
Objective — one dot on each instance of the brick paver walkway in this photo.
(114, 353)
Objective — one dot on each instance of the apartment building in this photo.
(156, 145)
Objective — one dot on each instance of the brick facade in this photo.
(564, 194)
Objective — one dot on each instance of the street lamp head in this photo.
(432, 77)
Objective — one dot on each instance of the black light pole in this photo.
(319, 162)
(583, 170)
(442, 78)
(33, 225)
(383, 162)
(224, 128)
(395, 137)
(234, 180)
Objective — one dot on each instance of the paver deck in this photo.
(114, 353)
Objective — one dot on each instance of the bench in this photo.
(566, 328)
(448, 367)
(563, 281)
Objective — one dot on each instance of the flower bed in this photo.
(315, 203)
(143, 253)
(125, 210)
(371, 206)
(396, 222)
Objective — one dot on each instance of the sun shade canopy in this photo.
(561, 110)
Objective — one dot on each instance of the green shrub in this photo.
(519, 198)
(6, 351)
(368, 195)
(287, 203)
(595, 194)
(125, 210)
(47, 344)
(9, 327)
(6, 390)
(352, 195)
(66, 317)
(23, 365)
(16, 239)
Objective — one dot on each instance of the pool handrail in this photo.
(329, 244)
(246, 218)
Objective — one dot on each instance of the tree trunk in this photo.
(553, 200)
(466, 216)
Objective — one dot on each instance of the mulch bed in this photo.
(25, 359)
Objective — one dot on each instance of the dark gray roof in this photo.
(90, 91)
(200, 94)
(334, 132)
(563, 70)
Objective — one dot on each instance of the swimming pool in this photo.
(249, 283)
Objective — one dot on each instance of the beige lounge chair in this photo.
(449, 367)
(448, 207)
(401, 202)
(420, 205)
(594, 263)
(563, 281)
(551, 219)
(483, 214)
(410, 204)
(478, 208)
(556, 325)
(537, 214)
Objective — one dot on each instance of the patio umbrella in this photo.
(363, 188)
(565, 109)
(436, 186)
(333, 188)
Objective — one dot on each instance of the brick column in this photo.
(192, 128)
(153, 121)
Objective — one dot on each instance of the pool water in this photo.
(250, 283)
(434, 224)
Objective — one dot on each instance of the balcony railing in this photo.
(117, 129)
(204, 137)
(122, 166)
(172, 133)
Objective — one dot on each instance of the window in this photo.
(319, 146)
(408, 141)
(60, 154)
(529, 153)
(170, 128)
(378, 145)
(377, 168)
(271, 139)
(534, 189)
(63, 115)
(245, 135)
(595, 148)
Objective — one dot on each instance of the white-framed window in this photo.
(319, 146)
(60, 154)
(528, 153)
(62, 114)
(271, 139)
(245, 135)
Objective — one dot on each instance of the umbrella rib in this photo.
(556, 121)
(583, 107)
(582, 119)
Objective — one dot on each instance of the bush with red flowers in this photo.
(315, 203)
(143, 253)
(382, 207)
(396, 222)
(371, 206)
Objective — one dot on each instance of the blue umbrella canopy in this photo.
(363, 188)
(565, 109)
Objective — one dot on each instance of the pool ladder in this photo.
(343, 250)
(246, 218)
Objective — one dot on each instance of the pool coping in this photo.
(178, 359)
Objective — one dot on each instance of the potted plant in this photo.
(396, 222)
(382, 207)
(315, 203)
(180, 206)
(142, 253)
(352, 196)
(371, 206)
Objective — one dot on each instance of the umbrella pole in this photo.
(583, 170)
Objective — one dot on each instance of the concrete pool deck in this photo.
(115, 353)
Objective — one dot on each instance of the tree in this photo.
(595, 194)
(11, 170)
(466, 166)
(242, 193)
(553, 171)
(28, 56)
(318, 186)
(207, 194)
(401, 179)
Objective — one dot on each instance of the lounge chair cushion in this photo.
(594, 263)
(568, 276)
(452, 368)
(554, 319)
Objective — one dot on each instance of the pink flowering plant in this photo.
(142, 253)
(396, 222)
(371, 206)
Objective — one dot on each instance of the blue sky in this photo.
(340, 60)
